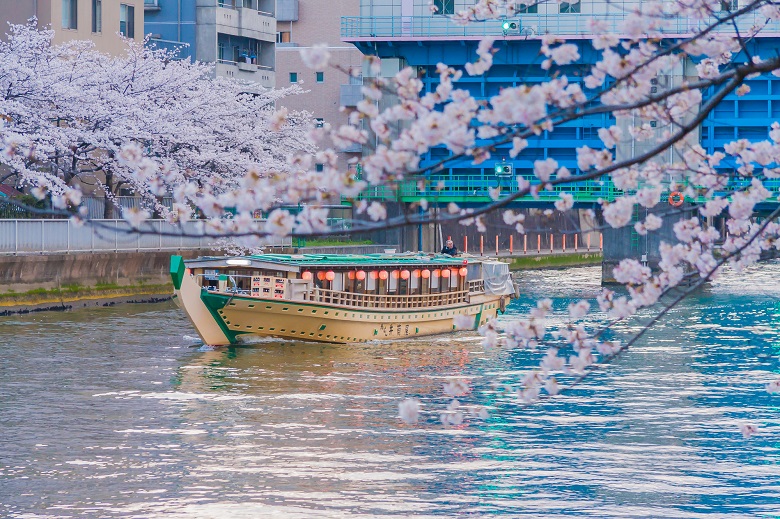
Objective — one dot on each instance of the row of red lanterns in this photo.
(360, 275)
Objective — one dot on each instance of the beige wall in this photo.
(319, 22)
(49, 12)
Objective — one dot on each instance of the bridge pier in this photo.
(626, 243)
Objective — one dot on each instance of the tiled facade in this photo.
(318, 22)
(98, 20)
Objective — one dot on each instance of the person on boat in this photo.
(449, 248)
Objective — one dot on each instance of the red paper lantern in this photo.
(360, 275)
(374, 274)
(405, 274)
(330, 276)
(382, 274)
(321, 275)
(395, 274)
(425, 274)
(306, 275)
(351, 275)
(445, 273)
(436, 273)
(464, 271)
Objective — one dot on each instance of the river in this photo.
(118, 412)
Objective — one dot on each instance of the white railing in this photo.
(59, 236)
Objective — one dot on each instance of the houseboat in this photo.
(337, 298)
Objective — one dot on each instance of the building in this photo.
(238, 36)
(408, 33)
(300, 24)
(104, 22)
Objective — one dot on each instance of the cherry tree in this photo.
(144, 120)
(646, 44)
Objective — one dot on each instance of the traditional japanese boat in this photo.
(338, 298)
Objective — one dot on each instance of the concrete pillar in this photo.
(625, 243)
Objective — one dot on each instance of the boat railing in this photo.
(476, 287)
(300, 290)
(336, 297)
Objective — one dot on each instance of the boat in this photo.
(338, 298)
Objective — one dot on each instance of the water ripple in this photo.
(110, 413)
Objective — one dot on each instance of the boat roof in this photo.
(296, 262)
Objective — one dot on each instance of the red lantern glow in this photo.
(351, 275)
(330, 276)
(436, 273)
(321, 276)
(306, 275)
(416, 273)
(464, 271)
(395, 274)
(360, 275)
(374, 274)
(405, 274)
(425, 274)
(382, 274)
(445, 273)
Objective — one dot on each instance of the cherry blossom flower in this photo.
(409, 410)
(457, 387)
(316, 57)
(748, 430)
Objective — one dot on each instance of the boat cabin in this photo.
(374, 280)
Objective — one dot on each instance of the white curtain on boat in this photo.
(497, 278)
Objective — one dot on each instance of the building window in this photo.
(444, 6)
(570, 8)
(729, 5)
(283, 37)
(527, 8)
(69, 14)
(293, 77)
(127, 20)
(320, 77)
(97, 15)
(319, 167)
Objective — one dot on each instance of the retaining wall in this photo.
(27, 272)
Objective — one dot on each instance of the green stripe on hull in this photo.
(214, 303)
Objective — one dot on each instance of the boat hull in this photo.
(221, 319)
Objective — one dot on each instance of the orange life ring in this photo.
(676, 199)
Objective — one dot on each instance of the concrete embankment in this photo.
(555, 260)
(63, 281)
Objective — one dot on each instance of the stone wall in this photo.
(27, 272)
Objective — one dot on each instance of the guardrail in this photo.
(529, 26)
(59, 236)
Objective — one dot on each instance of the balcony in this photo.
(350, 95)
(260, 74)
(246, 22)
(286, 10)
(151, 5)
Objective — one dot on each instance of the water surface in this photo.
(117, 412)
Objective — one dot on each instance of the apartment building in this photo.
(238, 36)
(105, 22)
(300, 24)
